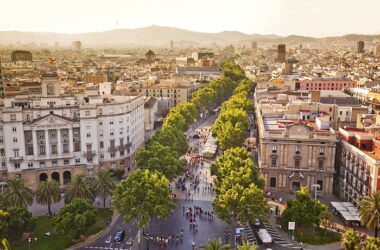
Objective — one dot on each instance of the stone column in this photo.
(35, 149)
(59, 146)
(47, 147)
(71, 148)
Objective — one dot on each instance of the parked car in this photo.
(119, 236)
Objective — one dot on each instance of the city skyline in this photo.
(280, 17)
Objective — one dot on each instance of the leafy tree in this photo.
(143, 196)
(244, 85)
(104, 184)
(48, 193)
(173, 138)
(160, 158)
(303, 210)
(247, 246)
(4, 244)
(74, 218)
(230, 128)
(80, 188)
(350, 239)
(369, 211)
(371, 243)
(326, 218)
(14, 221)
(238, 101)
(236, 164)
(175, 120)
(204, 99)
(243, 203)
(16, 194)
(223, 87)
(187, 110)
(233, 70)
(215, 245)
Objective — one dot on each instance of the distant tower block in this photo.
(171, 44)
(281, 52)
(360, 47)
(254, 47)
(377, 49)
(77, 45)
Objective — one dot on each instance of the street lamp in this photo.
(316, 187)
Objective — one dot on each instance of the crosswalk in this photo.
(249, 233)
(278, 238)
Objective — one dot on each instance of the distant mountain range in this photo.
(161, 36)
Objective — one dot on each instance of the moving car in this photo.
(119, 236)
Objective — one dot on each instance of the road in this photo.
(207, 228)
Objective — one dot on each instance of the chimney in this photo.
(315, 96)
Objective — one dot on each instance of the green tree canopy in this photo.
(173, 138)
(230, 128)
(143, 196)
(350, 239)
(175, 120)
(104, 184)
(233, 70)
(371, 243)
(48, 193)
(204, 99)
(238, 101)
(303, 210)
(80, 188)
(187, 110)
(247, 246)
(14, 221)
(369, 211)
(74, 218)
(16, 194)
(160, 158)
(243, 203)
(236, 165)
(215, 245)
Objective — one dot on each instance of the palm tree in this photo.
(104, 184)
(247, 246)
(48, 193)
(350, 239)
(216, 245)
(369, 211)
(16, 194)
(78, 188)
(4, 244)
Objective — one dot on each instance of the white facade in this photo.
(40, 136)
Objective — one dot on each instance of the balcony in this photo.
(89, 153)
(112, 149)
(16, 159)
(125, 146)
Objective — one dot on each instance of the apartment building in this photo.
(56, 137)
(327, 84)
(358, 164)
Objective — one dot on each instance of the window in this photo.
(42, 164)
(321, 151)
(320, 183)
(297, 163)
(14, 140)
(16, 153)
(112, 132)
(100, 123)
(30, 164)
(54, 163)
(113, 164)
(77, 160)
(17, 166)
(65, 162)
(274, 162)
(121, 131)
(273, 182)
(65, 148)
(112, 155)
(14, 129)
(101, 144)
(121, 120)
(101, 156)
(298, 149)
(88, 135)
(29, 150)
(111, 122)
(1, 140)
(101, 133)
(274, 148)
(42, 149)
(2, 152)
(13, 117)
(3, 164)
(320, 164)
(100, 111)
(87, 113)
(54, 149)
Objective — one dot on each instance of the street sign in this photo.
(291, 225)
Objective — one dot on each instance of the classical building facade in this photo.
(56, 137)
(294, 153)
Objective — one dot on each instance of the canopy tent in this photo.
(210, 147)
(348, 211)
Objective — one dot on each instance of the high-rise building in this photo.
(377, 49)
(254, 47)
(21, 55)
(1, 82)
(77, 45)
(171, 44)
(281, 52)
(360, 47)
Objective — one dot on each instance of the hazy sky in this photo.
(282, 17)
